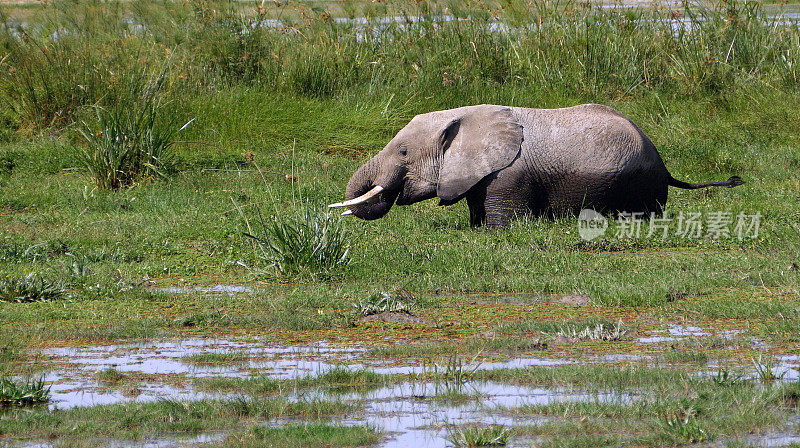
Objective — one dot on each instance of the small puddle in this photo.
(775, 440)
(215, 289)
(679, 332)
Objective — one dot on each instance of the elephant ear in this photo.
(483, 140)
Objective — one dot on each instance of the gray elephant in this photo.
(510, 161)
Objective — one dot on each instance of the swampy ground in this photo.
(153, 319)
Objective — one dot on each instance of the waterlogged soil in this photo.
(164, 369)
(411, 414)
(420, 414)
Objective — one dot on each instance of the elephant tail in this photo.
(733, 181)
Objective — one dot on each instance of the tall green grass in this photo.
(312, 242)
(130, 139)
(23, 393)
(32, 288)
(80, 55)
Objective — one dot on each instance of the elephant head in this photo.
(439, 154)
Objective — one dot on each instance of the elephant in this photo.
(513, 161)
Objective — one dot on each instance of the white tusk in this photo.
(361, 199)
(347, 212)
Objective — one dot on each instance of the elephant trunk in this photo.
(363, 183)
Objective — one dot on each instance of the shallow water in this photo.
(411, 415)
(408, 412)
(70, 392)
(215, 289)
(74, 368)
(205, 439)
(673, 333)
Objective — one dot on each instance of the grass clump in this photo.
(130, 140)
(454, 371)
(402, 302)
(678, 356)
(32, 288)
(479, 436)
(766, 370)
(137, 420)
(578, 330)
(110, 376)
(683, 426)
(27, 393)
(595, 332)
(312, 242)
(726, 378)
(305, 436)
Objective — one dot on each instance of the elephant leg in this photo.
(509, 194)
(500, 212)
(477, 208)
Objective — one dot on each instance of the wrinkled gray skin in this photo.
(508, 161)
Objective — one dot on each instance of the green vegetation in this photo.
(137, 420)
(336, 379)
(313, 242)
(129, 140)
(597, 332)
(477, 436)
(27, 393)
(401, 302)
(304, 436)
(667, 407)
(766, 370)
(31, 288)
(110, 376)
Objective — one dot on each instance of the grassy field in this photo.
(278, 119)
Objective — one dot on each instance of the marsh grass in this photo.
(335, 379)
(32, 288)
(13, 251)
(766, 369)
(676, 355)
(23, 393)
(453, 372)
(134, 421)
(400, 302)
(683, 426)
(479, 436)
(594, 332)
(344, 378)
(727, 378)
(131, 139)
(309, 435)
(311, 242)
(566, 46)
(592, 329)
(70, 58)
(110, 376)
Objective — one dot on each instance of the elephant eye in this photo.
(403, 151)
